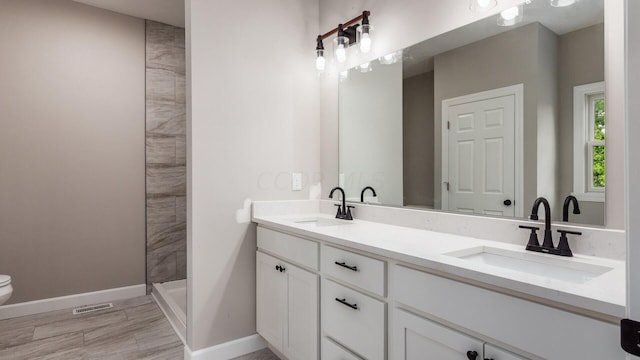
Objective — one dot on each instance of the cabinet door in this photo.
(271, 299)
(494, 353)
(416, 338)
(302, 314)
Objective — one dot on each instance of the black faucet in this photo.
(365, 189)
(565, 208)
(343, 213)
(547, 244)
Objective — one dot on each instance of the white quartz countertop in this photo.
(603, 294)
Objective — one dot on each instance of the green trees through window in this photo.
(598, 153)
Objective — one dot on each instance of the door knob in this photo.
(472, 355)
(507, 202)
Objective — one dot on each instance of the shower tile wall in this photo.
(165, 153)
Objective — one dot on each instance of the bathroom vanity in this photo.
(335, 289)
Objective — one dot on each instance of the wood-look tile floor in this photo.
(264, 354)
(132, 329)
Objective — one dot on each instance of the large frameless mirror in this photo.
(484, 119)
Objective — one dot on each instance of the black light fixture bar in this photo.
(345, 25)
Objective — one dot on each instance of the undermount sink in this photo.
(547, 266)
(320, 222)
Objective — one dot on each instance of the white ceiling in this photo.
(165, 11)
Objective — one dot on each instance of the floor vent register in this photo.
(91, 308)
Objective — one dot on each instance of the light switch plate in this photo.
(296, 181)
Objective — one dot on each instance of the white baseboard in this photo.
(228, 350)
(69, 301)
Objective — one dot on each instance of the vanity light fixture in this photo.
(482, 5)
(349, 33)
(320, 60)
(511, 16)
(562, 3)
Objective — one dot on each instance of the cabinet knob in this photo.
(507, 202)
(278, 267)
(472, 355)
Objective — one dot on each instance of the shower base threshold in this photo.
(171, 297)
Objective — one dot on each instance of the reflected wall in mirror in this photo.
(483, 119)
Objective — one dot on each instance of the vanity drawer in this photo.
(289, 247)
(358, 270)
(357, 321)
(522, 324)
(332, 351)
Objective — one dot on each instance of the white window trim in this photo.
(581, 127)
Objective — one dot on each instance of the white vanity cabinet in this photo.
(287, 297)
(492, 352)
(417, 338)
(543, 331)
(365, 306)
(332, 351)
(355, 320)
(354, 310)
(357, 270)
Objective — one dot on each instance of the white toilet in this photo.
(5, 288)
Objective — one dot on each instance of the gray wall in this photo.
(166, 153)
(581, 61)
(72, 208)
(503, 60)
(252, 119)
(417, 140)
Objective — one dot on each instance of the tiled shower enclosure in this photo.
(165, 153)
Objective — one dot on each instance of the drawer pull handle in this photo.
(344, 302)
(344, 265)
(280, 268)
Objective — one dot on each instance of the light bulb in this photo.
(482, 5)
(392, 58)
(365, 35)
(562, 3)
(365, 43)
(320, 63)
(510, 13)
(366, 67)
(341, 53)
